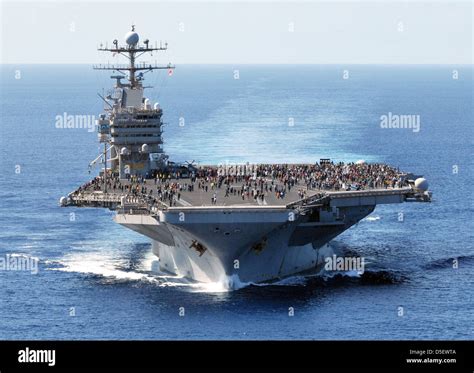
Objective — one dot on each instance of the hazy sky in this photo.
(243, 32)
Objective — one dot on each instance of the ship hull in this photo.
(239, 246)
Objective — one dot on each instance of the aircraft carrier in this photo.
(230, 224)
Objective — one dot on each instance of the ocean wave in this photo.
(449, 262)
(296, 280)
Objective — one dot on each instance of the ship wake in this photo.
(107, 268)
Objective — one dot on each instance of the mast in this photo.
(132, 51)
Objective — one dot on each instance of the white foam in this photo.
(372, 218)
(225, 284)
(104, 263)
(97, 266)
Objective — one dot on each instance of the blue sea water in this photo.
(102, 272)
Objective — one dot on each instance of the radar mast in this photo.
(132, 50)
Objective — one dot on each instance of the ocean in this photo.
(97, 280)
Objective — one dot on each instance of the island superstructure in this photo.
(130, 127)
(224, 223)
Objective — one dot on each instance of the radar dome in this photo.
(147, 104)
(421, 184)
(124, 151)
(132, 38)
(63, 201)
(145, 148)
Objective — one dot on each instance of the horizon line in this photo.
(259, 63)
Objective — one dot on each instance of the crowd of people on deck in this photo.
(252, 181)
(334, 176)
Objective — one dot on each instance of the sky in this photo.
(243, 32)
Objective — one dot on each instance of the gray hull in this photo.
(235, 246)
